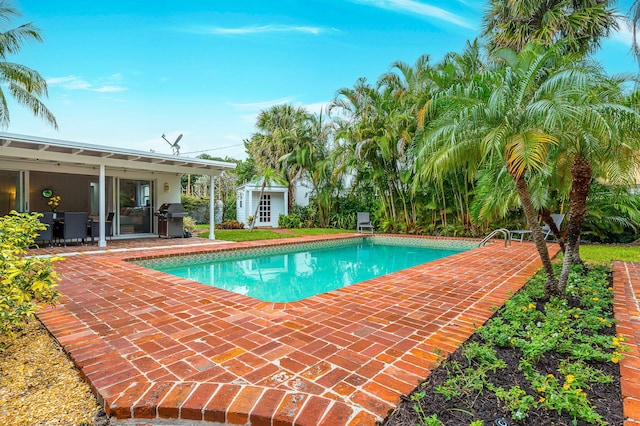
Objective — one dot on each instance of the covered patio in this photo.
(98, 180)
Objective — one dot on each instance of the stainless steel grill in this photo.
(170, 220)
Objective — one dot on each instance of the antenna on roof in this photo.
(174, 146)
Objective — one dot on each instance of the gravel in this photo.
(39, 385)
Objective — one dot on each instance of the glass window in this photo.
(264, 211)
(135, 207)
(8, 192)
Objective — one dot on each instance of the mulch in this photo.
(605, 398)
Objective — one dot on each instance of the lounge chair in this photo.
(364, 222)
(546, 229)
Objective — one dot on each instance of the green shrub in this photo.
(289, 221)
(230, 224)
(191, 203)
(25, 281)
(189, 224)
(230, 209)
(299, 217)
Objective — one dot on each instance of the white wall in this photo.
(302, 190)
(278, 207)
(241, 211)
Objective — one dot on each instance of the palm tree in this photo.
(376, 132)
(579, 24)
(511, 115)
(25, 85)
(281, 129)
(312, 159)
(602, 141)
(634, 13)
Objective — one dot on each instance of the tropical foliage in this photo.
(482, 139)
(24, 84)
(25, 281)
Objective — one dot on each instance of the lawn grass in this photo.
(319, 231)
(237, 235)
(607, 253)
(245, 235)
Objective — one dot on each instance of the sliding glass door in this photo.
(136, 211)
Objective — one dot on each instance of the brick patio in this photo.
(154, 346)
(626, 287)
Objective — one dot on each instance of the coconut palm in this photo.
(580, 24)
(25, 85)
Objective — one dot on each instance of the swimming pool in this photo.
(294, 272)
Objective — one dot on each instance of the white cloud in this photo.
(625, 32)
(109, 89)
(257, 29)
(316, 107)
(71, 82)
(263, 104)
(417, 8)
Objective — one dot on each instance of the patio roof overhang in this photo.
(39, 150)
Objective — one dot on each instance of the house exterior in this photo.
(96, 179)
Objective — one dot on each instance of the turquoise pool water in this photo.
(288, 276)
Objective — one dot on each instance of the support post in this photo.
(212, 204)
(102, 203)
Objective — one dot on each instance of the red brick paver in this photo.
(154, 346)
(626, 287)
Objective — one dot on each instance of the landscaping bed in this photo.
(537, 361)
(39, 385)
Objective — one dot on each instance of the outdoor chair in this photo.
(546, 229)
(47, 234)
(364, 222)
(94, 227)
(74, 226)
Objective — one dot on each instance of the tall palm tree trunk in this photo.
(545, 214)
(291, 197)
(255, 215)
(551, 286)
(581, 174)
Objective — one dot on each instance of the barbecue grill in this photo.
(170, 220)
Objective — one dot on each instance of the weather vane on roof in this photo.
(174, 146)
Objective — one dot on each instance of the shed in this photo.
(273, 203)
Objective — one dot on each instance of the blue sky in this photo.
(122, 73)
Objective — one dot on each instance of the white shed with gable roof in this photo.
(273, 203)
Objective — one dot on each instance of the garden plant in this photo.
(26, 281)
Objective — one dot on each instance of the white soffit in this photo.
(35, 149)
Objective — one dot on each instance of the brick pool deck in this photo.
(626, 287)
(155, 347)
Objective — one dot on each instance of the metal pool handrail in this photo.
(504, 231)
